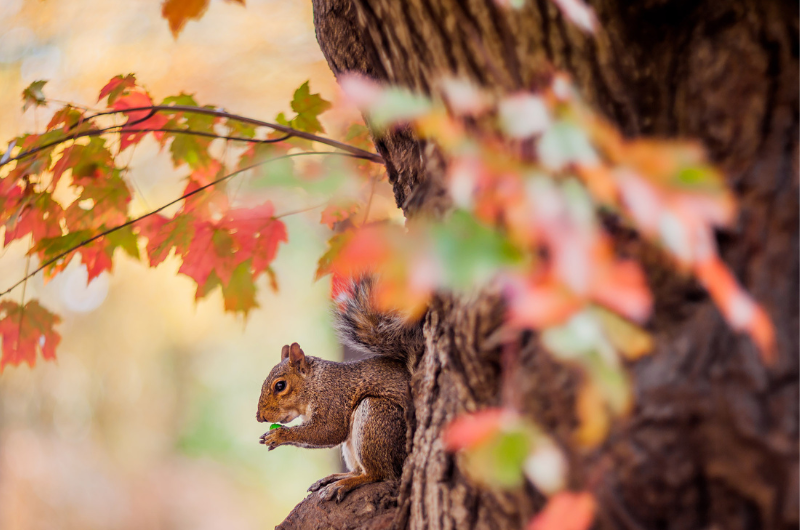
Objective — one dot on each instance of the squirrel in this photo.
(360, 405)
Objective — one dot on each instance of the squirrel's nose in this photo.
(258, 417)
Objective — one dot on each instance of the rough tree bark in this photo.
(713, 439)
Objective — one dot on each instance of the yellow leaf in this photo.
(630, 340)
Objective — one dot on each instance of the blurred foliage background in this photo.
(147, 419)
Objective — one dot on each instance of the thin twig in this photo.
(294, 212)
(369, 201)
(182, 197)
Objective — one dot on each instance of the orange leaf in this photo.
(622, 287)
(738, 308)
(537, 304)
(469, 430)
(566, 511)
(178, 12)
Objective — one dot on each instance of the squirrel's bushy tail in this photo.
(361, 326)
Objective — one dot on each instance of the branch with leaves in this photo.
(221, 246)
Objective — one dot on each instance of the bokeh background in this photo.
(147, 419)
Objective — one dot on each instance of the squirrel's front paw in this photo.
(271, 438)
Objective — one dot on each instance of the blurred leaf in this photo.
(593, 416)
(495, 445)
(24, 330)
(117, 87)
(565, 143)
(471, 252)
(632, 341)
(137, 120)
(33, 95)
(566, 511)
(178, 12)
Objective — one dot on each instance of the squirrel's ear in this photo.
(296, 356)
(284, 352)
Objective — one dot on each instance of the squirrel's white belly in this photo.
(351, 448)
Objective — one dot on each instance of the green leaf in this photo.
(240, 293)
(499, 461)
(471, 252)
(308, 107)
(699, 178)
(125, 239)
(33, 95)
(397, 105)
(186, 100)
(565, 143)
(240, 129)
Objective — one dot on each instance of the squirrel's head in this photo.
(281, 398)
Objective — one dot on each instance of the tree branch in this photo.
(359, 153)
(160, 208)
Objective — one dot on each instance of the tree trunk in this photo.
(713, 439)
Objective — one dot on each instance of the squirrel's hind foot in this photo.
(344, 485)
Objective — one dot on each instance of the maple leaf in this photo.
(128, 134)
(117, 87)
(240, 128)
(39, 216)
(211, 198)
(188, 148)
(337, 212)
(178, 12)
(88, 162)
(165, 234)
(249, 235)
(103, 200)
(203, 256)
(24, 330)
(70, 118)
(325, 263)
(566, 511)
(97, 255)
(308, 107)
(33, 95)
(239, 294)
(257, 233)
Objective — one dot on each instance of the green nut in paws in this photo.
(275, 426)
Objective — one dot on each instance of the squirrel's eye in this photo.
(279, 386)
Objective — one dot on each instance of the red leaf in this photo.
(128, 136)
(257, 233)
(26, 330)
(165, 234)
(470, 430)
(116, 87)
(244, 235)
(539, 304)
(201, 257)
(366, 250)
(97, 258)
(566, 511)
(40, 216)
